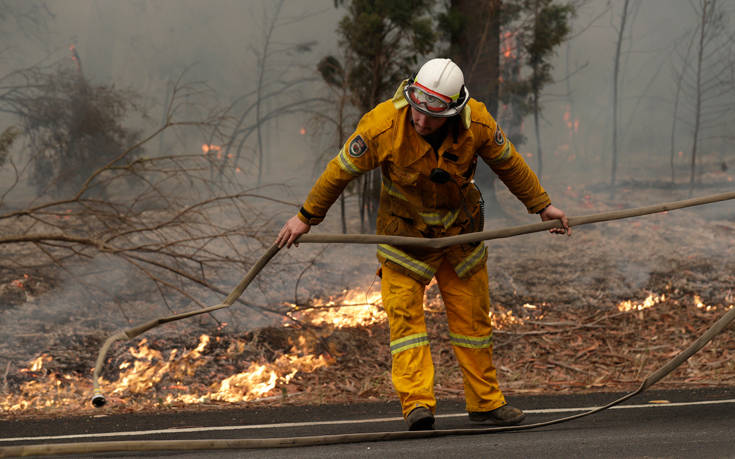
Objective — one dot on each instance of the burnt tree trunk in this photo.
(478, 49)
(615, 100)
(477, 52)
(698, 88)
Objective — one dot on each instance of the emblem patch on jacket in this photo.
(357, 147)
(499, 139)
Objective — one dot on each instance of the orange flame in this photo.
(260, 379)
(650, 301)
(37, 363)
(507, 47)
(148, 370)
(700, 305)
(353, 308)
(75, 57)
(206, 148)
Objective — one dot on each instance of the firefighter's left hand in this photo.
(554, 213)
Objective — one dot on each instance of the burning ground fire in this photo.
(223, 369)
(148, 369)
(650, 301)
(353, 308)
(653, 299)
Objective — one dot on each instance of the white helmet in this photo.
(438, 89)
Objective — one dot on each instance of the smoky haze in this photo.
(145, 45)
(656, 36)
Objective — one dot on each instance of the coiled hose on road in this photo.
(177, 445)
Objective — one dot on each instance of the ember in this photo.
(21, 283)
(206, 148)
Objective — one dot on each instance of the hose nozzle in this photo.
(98, 399)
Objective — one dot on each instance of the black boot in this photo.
(506, 415)
(420, 418)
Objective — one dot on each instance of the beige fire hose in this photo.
(98, 398)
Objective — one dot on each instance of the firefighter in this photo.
(427, 140)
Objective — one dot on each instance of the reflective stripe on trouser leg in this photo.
(468, 314)
(412, 370)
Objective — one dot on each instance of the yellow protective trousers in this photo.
(467, 304)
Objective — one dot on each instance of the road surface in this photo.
(691, 423)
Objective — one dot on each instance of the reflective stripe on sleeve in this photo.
(409, 342)
(504, 155)
(472, 259)
(472, 342)
(406, 261)
(346, 164)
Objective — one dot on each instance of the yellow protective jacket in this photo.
(411, 204)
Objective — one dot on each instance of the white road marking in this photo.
(137, 433)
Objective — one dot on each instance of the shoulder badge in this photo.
(499, 138)
(357, 147)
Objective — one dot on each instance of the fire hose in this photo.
(98, 399)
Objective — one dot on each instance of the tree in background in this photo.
(279, 85)
(28, 17)
(706, 77)
(615, 97)
(677, 100)
(382, 41)
(7, 139)
(472, 28)
(177, 232)
(491, 40)
(472, 31)
(72, 126)
(333, 74)
(538, 27)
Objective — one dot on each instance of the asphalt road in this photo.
(698, 423)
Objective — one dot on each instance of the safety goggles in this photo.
(428, 99)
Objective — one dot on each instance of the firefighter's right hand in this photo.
(293, 228)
